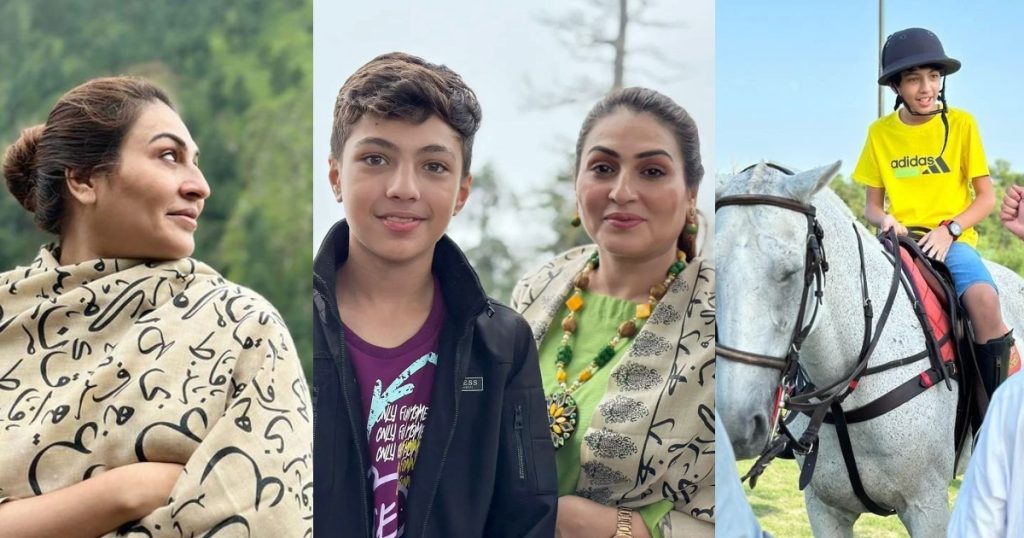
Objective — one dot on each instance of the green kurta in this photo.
(597, 322)
(651, 439)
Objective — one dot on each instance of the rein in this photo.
(819, 403)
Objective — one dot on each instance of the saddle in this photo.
(948, 351)
(947, 332)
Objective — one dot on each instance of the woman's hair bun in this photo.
(20, 166)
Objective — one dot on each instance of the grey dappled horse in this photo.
(906, 456)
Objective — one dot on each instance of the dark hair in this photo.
(405, 87)
(896, 79)
(674, 117)
(82, 134)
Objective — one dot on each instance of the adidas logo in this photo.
(937, 167)
(911, 166)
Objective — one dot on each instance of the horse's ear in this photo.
(805, 184)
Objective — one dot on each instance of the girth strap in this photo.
(851, 464)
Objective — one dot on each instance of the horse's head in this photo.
(764, 242)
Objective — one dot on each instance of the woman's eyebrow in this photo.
(607, 151)
(652, 153)
(175, 138)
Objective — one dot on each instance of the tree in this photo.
(996, 243)
(595, 32)
(241, 76)
(497, 265)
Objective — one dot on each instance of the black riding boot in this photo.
(994, 361)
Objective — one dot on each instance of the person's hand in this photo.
(936, 243)
(93, 507)
(1010, 213)
(583, 518)
(890, 222)
(147, 485)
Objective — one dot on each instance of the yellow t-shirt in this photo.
(924, 188)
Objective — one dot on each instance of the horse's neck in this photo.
(833, 347)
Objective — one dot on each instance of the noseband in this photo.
(822, 404)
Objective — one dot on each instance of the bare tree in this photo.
(596, 32)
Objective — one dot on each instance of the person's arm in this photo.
(252, 472)
(582, 518)
(936, 243)
(525, 497)
(874, 211)
(92, 507)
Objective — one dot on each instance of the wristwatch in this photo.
(954, 228)
(624, 523)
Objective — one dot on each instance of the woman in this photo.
(626, 330)
(139, 390)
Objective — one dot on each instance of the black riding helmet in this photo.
(912, 48)
(916, 47)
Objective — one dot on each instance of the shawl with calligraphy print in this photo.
(111, 362)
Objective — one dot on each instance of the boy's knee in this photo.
(981, 298)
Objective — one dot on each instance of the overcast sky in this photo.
(497, 47)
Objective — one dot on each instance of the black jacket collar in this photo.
(463, 295)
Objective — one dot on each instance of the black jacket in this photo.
(486, 465)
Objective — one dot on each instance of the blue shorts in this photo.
(967, 268)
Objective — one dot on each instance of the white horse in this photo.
(906, 456)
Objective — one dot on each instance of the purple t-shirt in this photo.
(394, 386)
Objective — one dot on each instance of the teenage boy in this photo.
(429, 411)
(926, 157)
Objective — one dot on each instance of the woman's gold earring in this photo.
(575, 222)
(688, 239)
(691, 223)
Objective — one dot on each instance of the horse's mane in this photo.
(832, 202)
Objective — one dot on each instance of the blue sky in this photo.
(795, 80)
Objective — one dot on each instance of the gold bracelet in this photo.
(624, 523)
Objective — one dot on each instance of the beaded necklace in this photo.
(562, 410)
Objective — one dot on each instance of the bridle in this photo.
(815, 267)
(822, 404)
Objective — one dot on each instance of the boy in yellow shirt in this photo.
(925, 157)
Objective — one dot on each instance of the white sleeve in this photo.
(981, 505)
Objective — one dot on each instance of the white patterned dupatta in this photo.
(653, 436)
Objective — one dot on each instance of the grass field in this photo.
(779, 505)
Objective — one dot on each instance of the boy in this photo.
(924, 165)
(429, 412)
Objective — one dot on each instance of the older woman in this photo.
(626, 330)
(139, 389)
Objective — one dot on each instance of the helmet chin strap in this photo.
(941, 110)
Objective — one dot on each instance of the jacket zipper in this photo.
(349, 407)
(455, 417)
(518, 424)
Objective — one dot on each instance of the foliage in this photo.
(241, 75)
(559, 199)
(603, 33)
(498, 266)
(996, 243)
